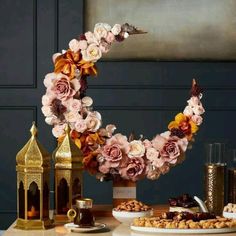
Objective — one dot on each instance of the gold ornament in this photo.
(33, 170)
(68, 176)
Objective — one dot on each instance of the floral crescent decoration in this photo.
(108, 155)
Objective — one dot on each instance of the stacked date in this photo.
(185, 220)
(132, 206)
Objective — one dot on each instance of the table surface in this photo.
(103, 214)
(114, 228)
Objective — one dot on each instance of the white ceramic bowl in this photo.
(229, 215)
(127, 217)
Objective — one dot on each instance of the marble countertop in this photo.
(114, 228)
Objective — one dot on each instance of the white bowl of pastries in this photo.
(230, 211)
(126, 212)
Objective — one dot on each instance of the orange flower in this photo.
(68, 62)
(90, 163)
(87, 68)
(185, 124)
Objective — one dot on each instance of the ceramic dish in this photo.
(127, 217)
(230, 215)
(181, 231)
(75, 228)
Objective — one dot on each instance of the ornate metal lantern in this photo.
(33, 170)
(68, 176)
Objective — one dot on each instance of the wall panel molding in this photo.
(34, 56)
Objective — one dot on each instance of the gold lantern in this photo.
(33, 170)
(68, 176)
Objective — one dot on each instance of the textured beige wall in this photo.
(177, 29)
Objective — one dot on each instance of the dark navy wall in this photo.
(136, 96)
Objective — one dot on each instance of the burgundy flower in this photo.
(134, 170)
(58, 109)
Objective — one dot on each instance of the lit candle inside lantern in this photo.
(32, 212)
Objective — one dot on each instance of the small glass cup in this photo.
(82, 214)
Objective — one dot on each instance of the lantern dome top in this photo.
(33, 154)
(67, 154)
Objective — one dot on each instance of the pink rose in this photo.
(121, 140)
(158, 142)
(105, 167)
(75, 105)
(170, 151)
(110, 37)
(197, 119)
(134, 170)
(80, 126)
(63, 88)
(105, 47)
(153, 156)
(112, 154)
(147, 143)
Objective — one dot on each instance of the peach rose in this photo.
(47, 111)
(121, 140)
(72, 116)
(87, 101)
(153, 156)
(93, 121)
(58, 130)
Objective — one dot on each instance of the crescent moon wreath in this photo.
(108, 155)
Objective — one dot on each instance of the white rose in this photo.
(74, 45)
(197, 119)
(101, 30)
(93, 121)
(87, 101)
(116, 29)
(51, 120)
(80, 126)
(91, 38)
(58, 130)
(47, 111)
(194, 101)
(48, 80)
(92, 53)
(83, 44)
(198, 110)
(126, 35)
(188, 111)
(137, 149)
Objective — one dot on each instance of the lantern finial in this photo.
(33, 129)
